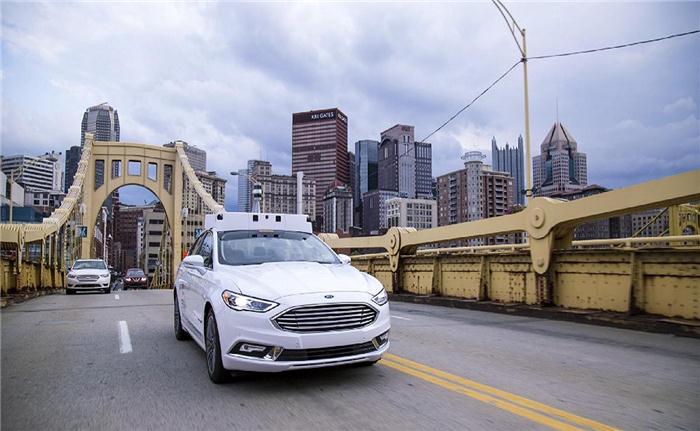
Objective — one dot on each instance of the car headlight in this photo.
(381, 298)
(240, 302)
(72, 275)
(104, 275)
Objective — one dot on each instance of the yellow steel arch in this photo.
(103, 168)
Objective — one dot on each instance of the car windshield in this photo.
(135, 273)
(252, 247)
(89, 264)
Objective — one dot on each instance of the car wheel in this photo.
(106, 290)
(180, 333)
(215, 367)
(70, 291)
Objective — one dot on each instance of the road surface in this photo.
(94, 361)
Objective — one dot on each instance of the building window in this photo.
(99, 173)
(116, 168)
(152, 171)
(134, 168)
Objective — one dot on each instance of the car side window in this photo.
(206, 248)
(194, 249)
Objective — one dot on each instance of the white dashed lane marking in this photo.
(399, 317)
(124, 339)
(116, 297)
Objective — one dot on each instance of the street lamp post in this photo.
(522, 47)
(104, 234)
(12, 182)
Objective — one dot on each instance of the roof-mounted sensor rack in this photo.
(255, 221)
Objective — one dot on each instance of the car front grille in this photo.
(326, 352)
(326, 317)
(88, 277)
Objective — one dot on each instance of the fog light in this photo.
(274, 353)
(380, 340)
(251, 348)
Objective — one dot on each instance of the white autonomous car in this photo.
(260, 292)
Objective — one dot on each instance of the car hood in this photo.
(278, 279)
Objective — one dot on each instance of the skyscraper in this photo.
(352, 177)
(320, 150)
(103, 121)
(405, 166)
(511, 160)
(397, 160)
(559, 167)
(424, 170)
(72, 159)
(196, 156)
(365, 174)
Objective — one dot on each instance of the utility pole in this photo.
(104, 234)
(513, 26)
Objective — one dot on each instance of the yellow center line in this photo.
(496, 402)
(511, 400)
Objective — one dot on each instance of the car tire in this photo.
(180, 333)
(106, 290)
(215, 367)
(70, 291)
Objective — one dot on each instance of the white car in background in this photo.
(260, 292)
(88, 274)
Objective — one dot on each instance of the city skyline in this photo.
(243, 96)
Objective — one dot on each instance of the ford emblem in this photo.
(329, 297)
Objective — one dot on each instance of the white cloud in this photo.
(227, 76)
(684, 104)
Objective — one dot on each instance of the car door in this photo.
(185, 280)
(200, 280)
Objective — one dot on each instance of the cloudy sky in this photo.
(227, 77)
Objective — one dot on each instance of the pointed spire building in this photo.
(559, 167)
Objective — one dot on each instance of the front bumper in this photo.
(100, 283)
(356, 345)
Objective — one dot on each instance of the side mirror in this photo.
(344, 259)
(194, 260)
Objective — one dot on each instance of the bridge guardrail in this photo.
(549, 225)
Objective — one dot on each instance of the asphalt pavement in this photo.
(111, 362)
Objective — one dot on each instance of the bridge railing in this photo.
(549, 225)
(50, 241)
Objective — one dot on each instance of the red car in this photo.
(135, 279)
